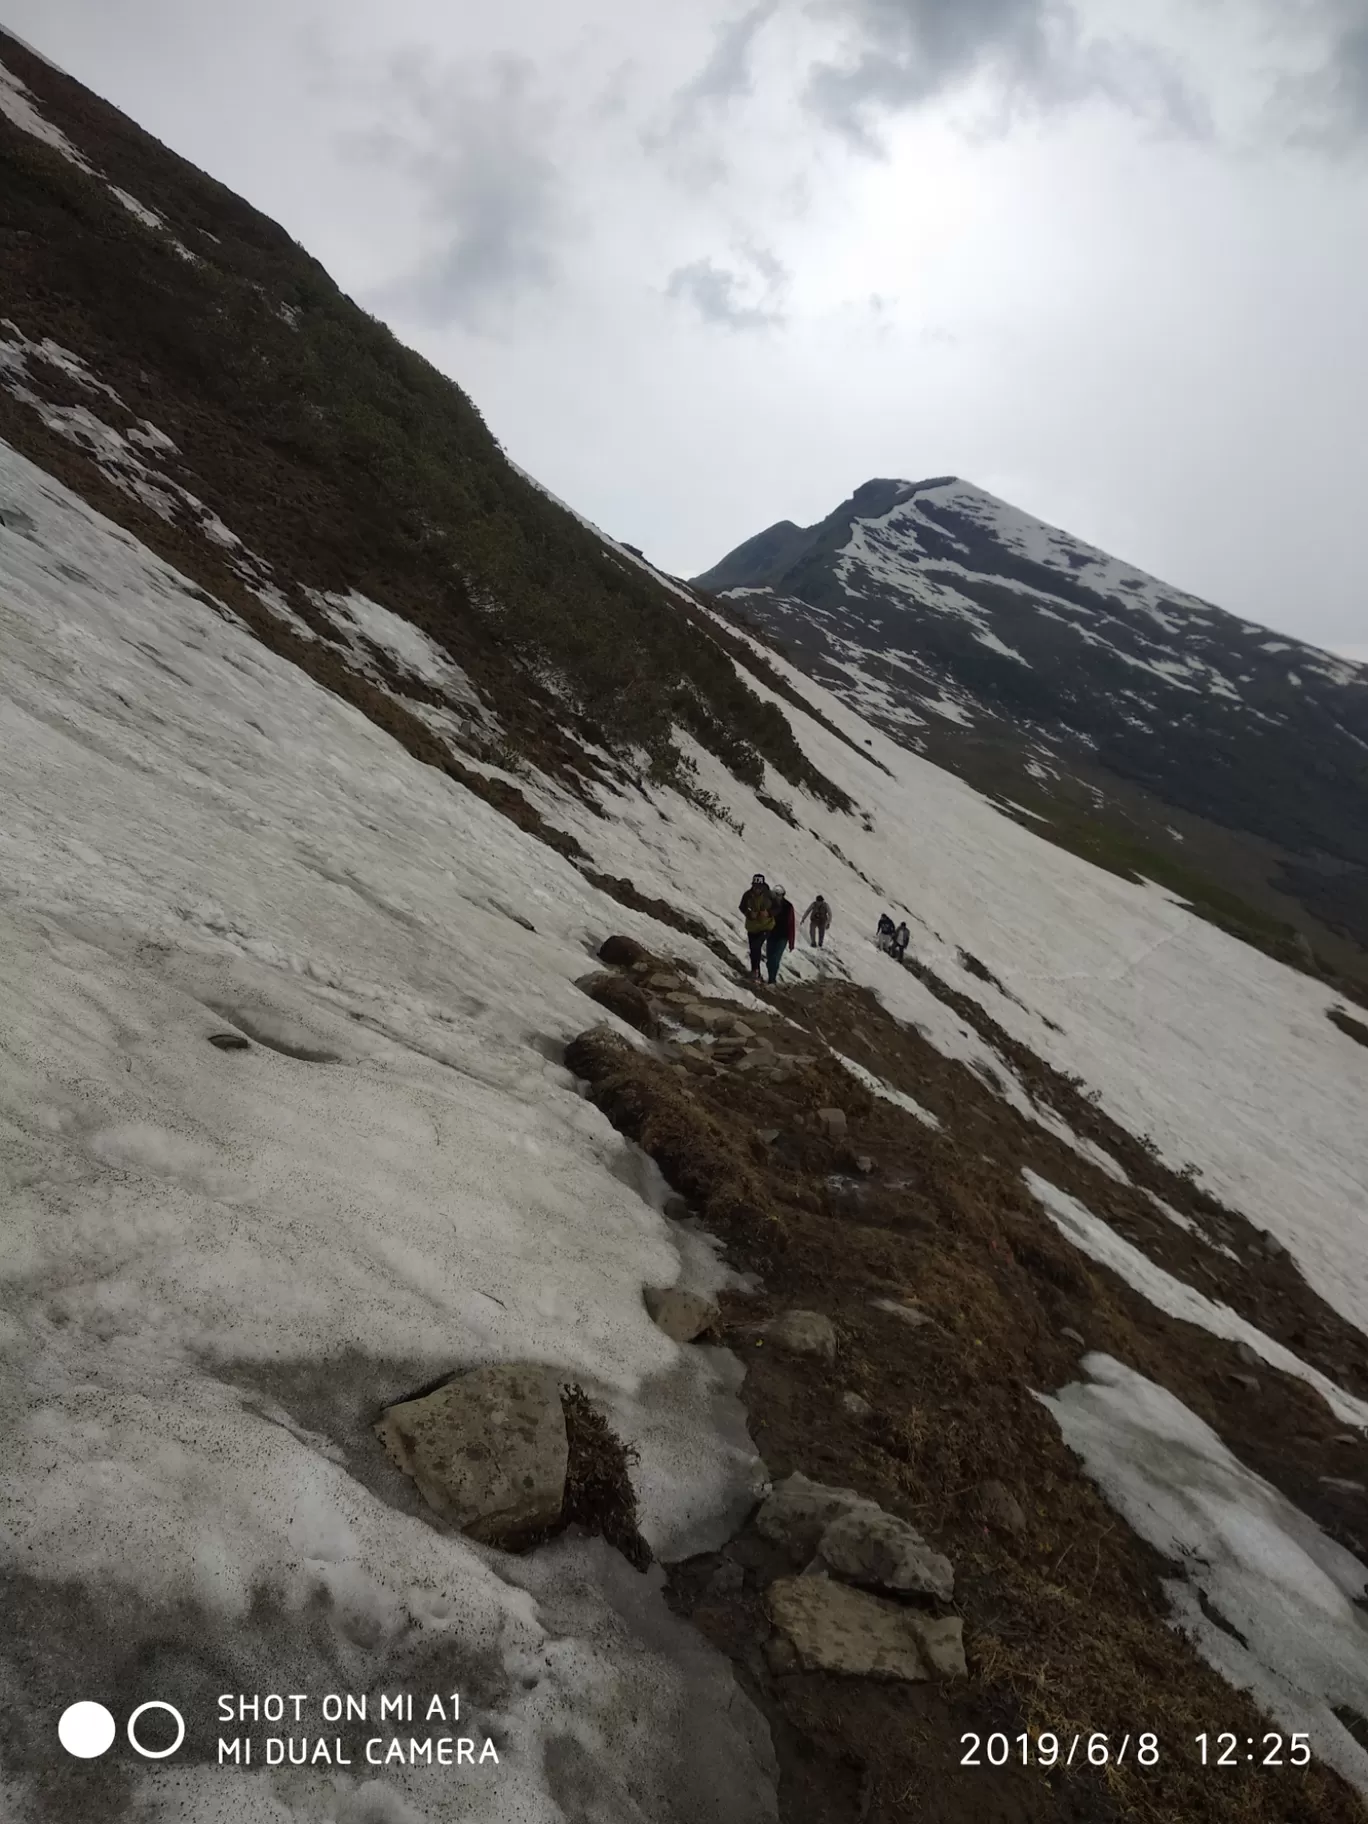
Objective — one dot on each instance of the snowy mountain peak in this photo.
(969, 629)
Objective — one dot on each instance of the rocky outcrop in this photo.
(837, 1530)
(683, 1316)
(802, 1333)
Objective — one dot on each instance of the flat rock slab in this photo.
(804, 1332)
(488, 1451)
(832, 1122)
(826, 1627)
(683, 1316)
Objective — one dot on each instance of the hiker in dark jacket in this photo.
(884, 935)
(817, 918)
(757, 908)
(784, 935)
(902, 937)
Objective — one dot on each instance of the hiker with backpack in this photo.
(757, 908)
(784, 934)
(884, 935)
(817, 918)
(902, 937)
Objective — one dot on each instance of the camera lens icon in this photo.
(87, 1730)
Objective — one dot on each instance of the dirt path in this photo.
(1064, 1615)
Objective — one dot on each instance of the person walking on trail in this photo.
(902, 937)
(783, 936)
(757, 908)
(884, 935)
(817, 918)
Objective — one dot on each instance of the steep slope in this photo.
(307, 1103)
(164, 344)
(1005, 647)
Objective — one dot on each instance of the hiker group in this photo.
(891, 938)
(772, 927)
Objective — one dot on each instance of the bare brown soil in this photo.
(1064, 1615)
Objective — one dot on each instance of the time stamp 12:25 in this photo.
(1139, 1750)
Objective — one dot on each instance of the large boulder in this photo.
(797, 1512)
(823, 1626)
(866, 1545)
(488, 1451)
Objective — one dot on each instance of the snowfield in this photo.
(214, 1263)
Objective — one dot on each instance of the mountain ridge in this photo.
(1045, 668)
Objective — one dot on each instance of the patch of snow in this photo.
(148, 217)
(1101, 1243)
(1247, 1555)
(886, 1091)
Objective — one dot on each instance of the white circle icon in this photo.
(85, 1730)
(157, 1754)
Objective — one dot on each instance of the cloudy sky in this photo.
(706, 264)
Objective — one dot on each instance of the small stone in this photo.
(740, 1030)
(488, 1451)
(942, 1643)
(676, 1207)
(866, 1545)
(829, 1628)
(856, 1406)
(804, 1332)
(662, 979)
(229, 1041)
(1250, 1357)
(832, 1122)
(1248, 1381)
(767, 1135)
(910, 1314)
(864, 1164)
(1273, 1248)
(683, 1316)
(1072, 1336)
(1000, 1507)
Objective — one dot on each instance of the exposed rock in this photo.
(707, 1019)
(804, 1332)
(683, 1316)
(1072, 1336)
(767, 1135)
(910, 1314)
(1272, 1247)
(623, 952)
(1000, 1507)
(832, 1122)
(1342, 1485)
(620, 996)
(866, 1545)
(1250, 1357)
(230, 1041)
(855, 1405)
(676, 1207)
(488, 1450)
(864, 1164)
(661, 978)
(740, 1030)
(797, 1512)
(827, 1627)
(1250, 1382)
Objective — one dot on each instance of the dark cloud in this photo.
(476, 142)
(725, 76)
(902, 54)
(1329, 107)
(729, 298)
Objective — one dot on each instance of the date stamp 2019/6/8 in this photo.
(1139, 1749)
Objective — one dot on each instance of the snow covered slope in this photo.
(953, 621)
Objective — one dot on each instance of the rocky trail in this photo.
(934, 1564)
